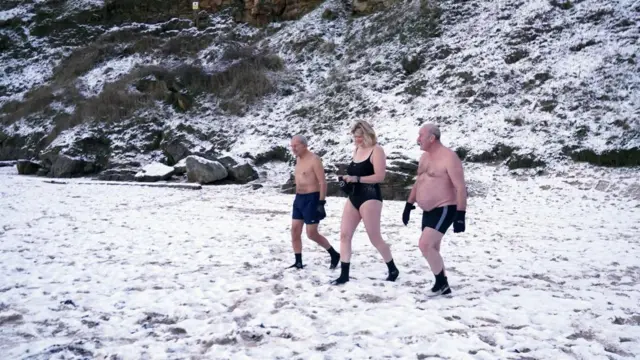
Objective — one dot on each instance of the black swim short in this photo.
(439, 218)
(305, 207)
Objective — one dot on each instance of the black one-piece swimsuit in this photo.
(362, 192)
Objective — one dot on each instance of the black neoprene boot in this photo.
(344, 274)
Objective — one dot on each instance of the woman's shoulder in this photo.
(378, 148)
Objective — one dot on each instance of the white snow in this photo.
(83, 4)
(92, 83)
(547, 269)
(155, 169)
(67, 137)
(27, 74)
(15, 12)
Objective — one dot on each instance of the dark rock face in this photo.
(613, 158)
(175, 149)
(242, 174)
(65, 166)
(527, 161)
(15, 147)
(27, 167)
(118, 175)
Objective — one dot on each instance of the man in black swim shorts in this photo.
(441, 193)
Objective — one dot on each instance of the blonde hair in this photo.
(366, 130)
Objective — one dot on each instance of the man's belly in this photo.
(305, 187)
(432, 193)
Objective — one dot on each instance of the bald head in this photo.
(432, 129)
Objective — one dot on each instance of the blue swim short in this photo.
(305, 207)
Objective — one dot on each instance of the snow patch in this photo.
(15, 12)
(155, 169)
(24, 77)
(92, 83)
(84, 4)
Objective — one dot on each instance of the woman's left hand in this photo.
(349, 179)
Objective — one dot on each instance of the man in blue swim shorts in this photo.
(308, 205)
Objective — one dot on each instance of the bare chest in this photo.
(303, 171)
(432, 169)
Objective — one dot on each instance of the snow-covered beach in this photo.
(548, 269)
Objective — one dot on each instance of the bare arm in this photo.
(412, 194)
(379, 160)
(456, 173)
(318, 170)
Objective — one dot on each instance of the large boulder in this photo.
(227, 161)
(242, 174)
(118, 175)
(237, 173)
(204, 171)
(181, 167)
(85, 155)
(59, 165)
(175, 149)
(27, 167)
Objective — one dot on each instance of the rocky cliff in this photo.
(92, 87)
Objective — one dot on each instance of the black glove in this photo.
(321, 214)
(407, 211)
(458, 222)
(344, 186)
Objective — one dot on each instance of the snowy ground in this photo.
(548, 269)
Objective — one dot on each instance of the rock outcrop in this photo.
(261, 12)
(60, 165)
(364, 7)
(118, 175)
(256, 12)
(15, 147)
(204, 171)
(27, 167)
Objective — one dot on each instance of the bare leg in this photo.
(296, 241)
(371, 211)
(350, 220)
(429, 246)
(313, 234)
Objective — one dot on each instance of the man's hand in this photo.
(407, 212)
(321, 213)
(458, 222)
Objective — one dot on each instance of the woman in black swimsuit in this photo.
(364, 174)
